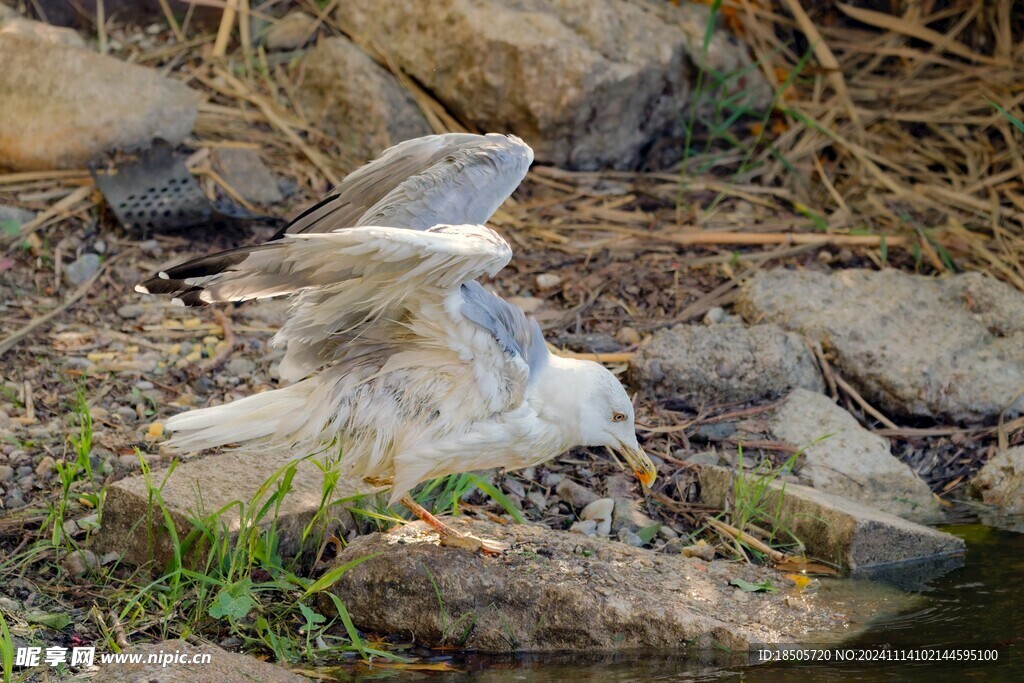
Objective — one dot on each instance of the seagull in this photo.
(396, 354)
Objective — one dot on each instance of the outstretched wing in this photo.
(448, 179)
(453, 179)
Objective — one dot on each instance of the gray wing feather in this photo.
(457, 178)
(515, 333)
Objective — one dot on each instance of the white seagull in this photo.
(397, 355)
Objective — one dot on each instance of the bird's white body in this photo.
(399, 358)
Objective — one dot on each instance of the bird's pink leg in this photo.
(449, 536)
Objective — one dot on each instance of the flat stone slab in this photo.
(836, 529)
(945, 348)
(196, 488)
(223, 667)
(850, 461)
(724, 363)
(558, 591)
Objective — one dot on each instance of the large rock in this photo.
(12, 22)
(949, 348)
(833, 528)
(1000, 482)
(133, 522)
(347, 94)
(848, 460)
(587, 83)
(556, 591)
(724, 363)
(220, 667)
(61, 106)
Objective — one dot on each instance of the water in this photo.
(972, 602)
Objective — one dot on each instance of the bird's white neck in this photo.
(555, 394)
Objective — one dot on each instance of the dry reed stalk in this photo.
(227, 22)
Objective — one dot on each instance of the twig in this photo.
(755, 238)
(9, 342)
(30, 403)
(169, 15)
(227, 22)
(119, 635)
(826, 367)
(868, 408)
(825, 57)
(61, 207)
(101, 27)
(731, 531)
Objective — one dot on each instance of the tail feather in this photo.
(291, 415)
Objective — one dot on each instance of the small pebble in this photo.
(128, 462)
(290, 32)
(82, 268)
(630, 537)
(548, 280)
(512, 486)
(714, 316)
(587, 527)
(78, 562)
(575, 494)
(241, 366)
(550, 479)
(46, 467)
(6, 473)
(151, 248)
(703, 458)
(529, 304)
(203, 385)
(601, 512)
(143, 385)
(538, 499)
(628, 336)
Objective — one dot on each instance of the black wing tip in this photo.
(184, 294)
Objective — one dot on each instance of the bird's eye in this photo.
(618, 417)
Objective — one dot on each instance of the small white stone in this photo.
(548, 280)
(587, 527)
(600, 511)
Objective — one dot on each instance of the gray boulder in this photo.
(61, 106)
(848, 460)
(588, 83)
(557, 591)
(950, 348)
(724, 363)
(348, 95)
(833, 528)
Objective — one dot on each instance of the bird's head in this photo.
(606, 418)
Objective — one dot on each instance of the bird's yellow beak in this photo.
(642, 466)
